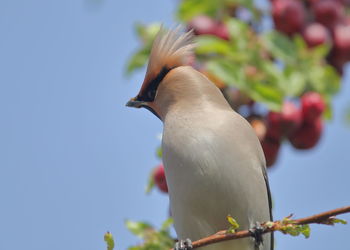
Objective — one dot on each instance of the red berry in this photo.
(288, 16)
(271, 148)
(341, 37)
(315, 34)
(307, 135)
(204, 25)
(328, 12)
(159, 178)
(312, 106)
(222, 31)
(283, 123)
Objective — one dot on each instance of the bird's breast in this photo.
(208, 163)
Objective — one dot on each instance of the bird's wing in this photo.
(270, 203)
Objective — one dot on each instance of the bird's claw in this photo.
(183, 245)
(257, 233)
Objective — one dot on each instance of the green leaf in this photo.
(336, 220)
(135, 248)
(321, 51)
(289, 227)
(287, 220)
(138, 228)
(291, 230)
(147, 33)
(234, 225)
(272, 97)
(152, 239)
(159, 152)
(226, 71)
(188, 9)
(280, 46)
(327, 114)
(299, 43)
(211, 44)
(305, 230)
(259, 91)
(245, 3)
(213, 8)
(238, 30)
(108, 237)
(295, 84)
(324, 80)
(232, 221)
(138, 60)
(150, 183)
(167, 224)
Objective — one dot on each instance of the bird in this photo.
(213, 160)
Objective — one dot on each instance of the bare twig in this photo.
(322, 218)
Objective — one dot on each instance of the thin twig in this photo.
(322, 218)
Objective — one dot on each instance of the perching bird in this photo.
(214, 164)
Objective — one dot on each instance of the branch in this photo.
(285, 226)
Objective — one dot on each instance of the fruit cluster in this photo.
(300, 121)
(318, 22)
(301, 126)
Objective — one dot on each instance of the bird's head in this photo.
(170, 50)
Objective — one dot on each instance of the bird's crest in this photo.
(170, 49)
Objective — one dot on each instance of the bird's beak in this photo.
(134, 103)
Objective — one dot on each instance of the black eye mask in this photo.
(150, 92)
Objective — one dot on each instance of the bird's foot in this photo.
(183, 245)
(257, 233)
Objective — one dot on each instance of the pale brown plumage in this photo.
(213, 160)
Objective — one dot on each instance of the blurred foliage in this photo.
(294, 69)
(146, 34)
(289, 227)
(152, 239)
(214, 8)
(150, 183)
(108, 237)
(333, 221)
(265, 65)
(159, 153)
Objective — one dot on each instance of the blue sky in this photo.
(74, 160)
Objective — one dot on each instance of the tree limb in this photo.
(327, 218)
